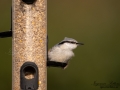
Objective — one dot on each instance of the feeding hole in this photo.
(29, 1)
(29, 72)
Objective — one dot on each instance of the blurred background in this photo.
(96, 23)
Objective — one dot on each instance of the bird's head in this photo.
(69, 43)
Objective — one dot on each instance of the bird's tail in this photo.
(56, 64)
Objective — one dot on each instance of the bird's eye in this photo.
(73, 42)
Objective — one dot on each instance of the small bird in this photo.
(60, 54)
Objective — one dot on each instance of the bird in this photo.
(60, 54)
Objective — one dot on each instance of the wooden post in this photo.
(29, 40)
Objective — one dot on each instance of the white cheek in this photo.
(71, 46)
(74, 46)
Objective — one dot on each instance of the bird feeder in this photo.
(29, 44)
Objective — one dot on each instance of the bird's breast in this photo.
(59, 55)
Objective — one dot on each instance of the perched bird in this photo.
(60, 54)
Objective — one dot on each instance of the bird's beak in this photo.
(80, 43)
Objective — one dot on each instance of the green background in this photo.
(96, 23)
